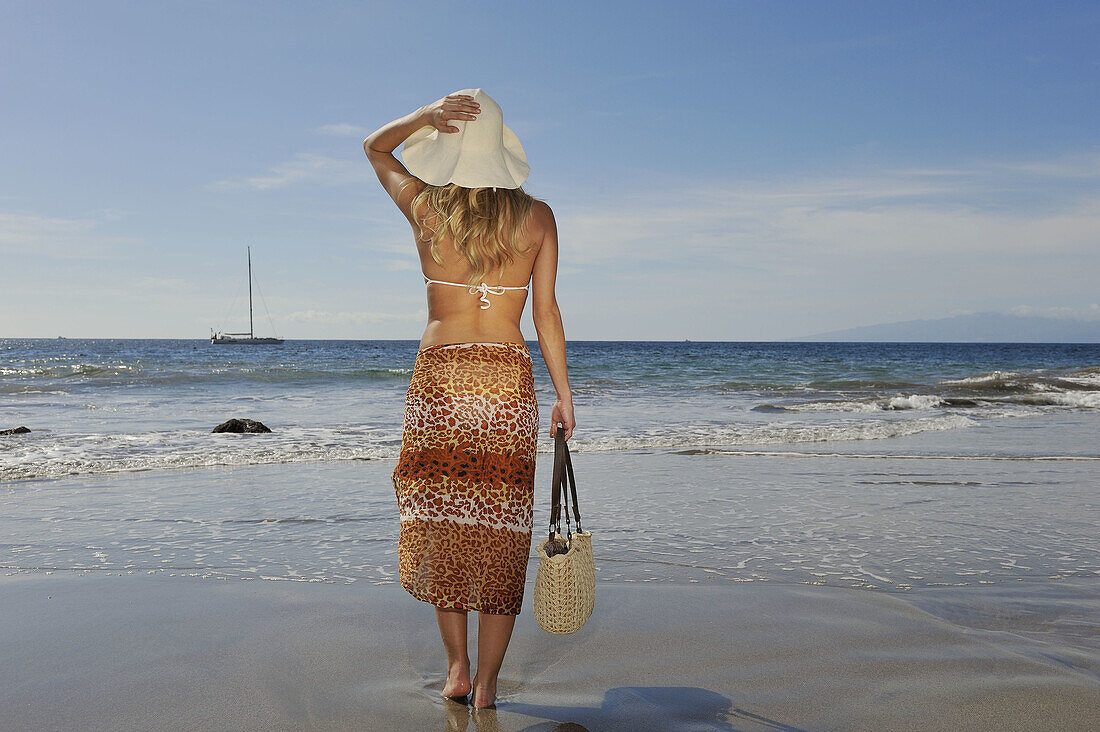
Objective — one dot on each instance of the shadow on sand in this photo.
(624, 708)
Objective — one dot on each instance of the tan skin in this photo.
(455, 316)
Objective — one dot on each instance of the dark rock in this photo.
(242, 425)
(15, 431)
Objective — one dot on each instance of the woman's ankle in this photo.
(480, 682)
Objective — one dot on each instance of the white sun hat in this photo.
(483, 153)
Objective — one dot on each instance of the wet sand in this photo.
(93, 651)
(922, 588)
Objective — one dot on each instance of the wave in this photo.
(996, 393)
(742, 386)
(46, 455)
(998, 382)
(1086, 379)
(746, 434)
(1079, 399)
(55, 456)
(1017, 406)
(725, 377)
(994, 377)
(71, 370)
(29, 378)
(888, 456)
(913, 401)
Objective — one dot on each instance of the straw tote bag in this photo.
(565, 588)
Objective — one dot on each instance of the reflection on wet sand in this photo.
(459, 715)
(458, 718)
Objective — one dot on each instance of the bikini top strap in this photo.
(428, 281)
(475, 288)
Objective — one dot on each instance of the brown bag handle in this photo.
(563, 469)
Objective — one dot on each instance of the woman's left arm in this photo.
(380, 144)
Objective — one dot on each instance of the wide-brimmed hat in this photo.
(483, 153)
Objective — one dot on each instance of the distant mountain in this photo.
(973, 328)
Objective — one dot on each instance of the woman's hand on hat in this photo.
(456, 106)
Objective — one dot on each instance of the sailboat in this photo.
(239, 338)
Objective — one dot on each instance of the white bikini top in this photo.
(483, 289)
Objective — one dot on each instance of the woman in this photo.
(465, 479)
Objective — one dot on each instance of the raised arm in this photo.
(547, 317)
(380, 144)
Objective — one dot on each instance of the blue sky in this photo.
(718, 170)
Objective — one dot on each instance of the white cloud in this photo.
(352, 317)
(797, 254)
(161, 286)
(25, 230)
(923, 213)
(1075, 165)
(304, 168)
(398, 245)
(401, 265)
(1092, 312)
(927, 231)
(27, 234)
(342, 129)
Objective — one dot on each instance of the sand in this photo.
(94, 651)
(932, 589)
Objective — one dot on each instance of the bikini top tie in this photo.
(482, 289)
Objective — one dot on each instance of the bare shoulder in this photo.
(541, 212)
(542, 220)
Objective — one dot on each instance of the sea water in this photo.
(903, 468)
(103, 406)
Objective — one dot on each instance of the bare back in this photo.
(455, 315)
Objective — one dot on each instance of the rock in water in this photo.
(15, 431)
(242, 425)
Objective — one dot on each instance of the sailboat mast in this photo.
(251, 332)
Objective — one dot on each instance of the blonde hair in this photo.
(486, 225)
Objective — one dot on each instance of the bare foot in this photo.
(484, 694)
(458, 680)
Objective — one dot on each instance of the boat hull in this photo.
(247, 341)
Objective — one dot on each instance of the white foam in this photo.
(838, 405)
(1083, 379)
(1086, 377)
(58, 455)
(914, 401)
(984, 378)
(898, 456)
(750, 434)
(1086, 399)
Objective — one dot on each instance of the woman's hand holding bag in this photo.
(565, 588)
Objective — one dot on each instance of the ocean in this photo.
(103, 406)
(886, 467)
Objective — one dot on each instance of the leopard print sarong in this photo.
(465, 480)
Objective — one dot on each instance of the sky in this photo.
(717, 170)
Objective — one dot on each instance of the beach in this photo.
(247, 637)
(101, 652)
(787, 536)
(816, 283)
